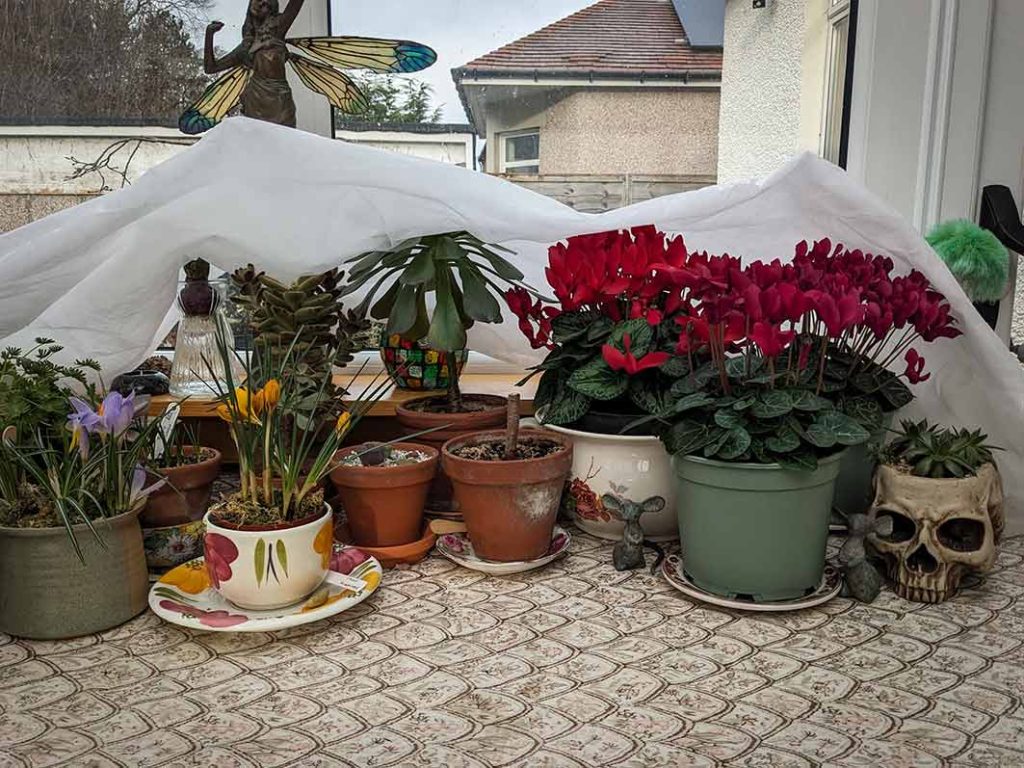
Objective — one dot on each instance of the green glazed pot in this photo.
(48, 593)
(755, 531)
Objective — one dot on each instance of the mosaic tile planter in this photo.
(411, 365)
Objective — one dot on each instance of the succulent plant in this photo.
(928, 450)
(305, 317)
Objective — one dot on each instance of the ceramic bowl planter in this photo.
(509, 506)
(172, 518)
(756, 531)
(267, 567)
(632, 467)
(48, 593)
(490, 413)
(384, 504)
(413, 365)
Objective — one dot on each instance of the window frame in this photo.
(838, 80)
(509, 167)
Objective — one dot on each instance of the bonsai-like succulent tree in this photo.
(460, 270)
(927, 450)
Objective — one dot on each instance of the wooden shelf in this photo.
(472, 383)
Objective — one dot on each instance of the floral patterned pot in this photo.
(172, 545)
(412, 365)
(262, 568)
(630, 467)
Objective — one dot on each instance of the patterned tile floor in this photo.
(573, 665)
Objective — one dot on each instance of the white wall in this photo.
(453, 148)
(771, 85)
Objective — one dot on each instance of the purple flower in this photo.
(116, 414)
(139, 489)
(82, 422)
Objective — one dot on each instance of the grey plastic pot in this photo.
(48, 593)
(756, 531)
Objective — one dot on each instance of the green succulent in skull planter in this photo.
(303, 321)
(460, 270)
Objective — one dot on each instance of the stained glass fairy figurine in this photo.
(255, 70)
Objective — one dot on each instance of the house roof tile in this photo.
(608, 37)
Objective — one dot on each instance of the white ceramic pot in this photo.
(631, 468)
(262, 570)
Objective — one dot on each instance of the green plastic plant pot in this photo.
(854, 488)
(754, 531)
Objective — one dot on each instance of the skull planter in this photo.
(941, 529)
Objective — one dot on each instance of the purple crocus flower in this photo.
(139, 489)
(116, 414)
(82, 422)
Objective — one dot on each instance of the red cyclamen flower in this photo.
(624, 361)
(915, 367)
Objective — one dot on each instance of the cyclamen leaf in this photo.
(800, 460)
(675, 367)
(598, 381)
(805, 400)
(737, 443)
(727, 418)
(687, 437)
(834, 427)
(648, 395)
(772, 404)
(568, 407)
(785, 441)
(640, 336)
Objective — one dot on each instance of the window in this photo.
(842, 20)
(521, 152)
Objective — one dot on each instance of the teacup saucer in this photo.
(458, 548)
(185, 596)
(831, 584)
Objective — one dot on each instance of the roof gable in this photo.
(629, 37)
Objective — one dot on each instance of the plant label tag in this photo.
(345, 581)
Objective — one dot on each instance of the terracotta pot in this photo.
(384, 505)
(458, 424)
(509, 506)
(267, 567)
(185, 497)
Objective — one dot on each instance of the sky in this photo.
(459, 30)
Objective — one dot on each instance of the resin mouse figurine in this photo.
(862, 579)
(629, 553)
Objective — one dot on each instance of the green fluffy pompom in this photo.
(977, 259)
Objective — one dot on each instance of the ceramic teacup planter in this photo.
(384, 500)
(266, 567)
(510, 505)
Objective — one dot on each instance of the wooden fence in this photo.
(594, 194)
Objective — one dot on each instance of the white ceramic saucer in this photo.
(457, 548)
(831, 583)
(185, 596)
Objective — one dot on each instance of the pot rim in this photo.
(405, 406)
(101, 523)
(204, 463)
(307, 522)
(432, 456)
(976, 476)
(754, 466)
(635, 439)
(565, 443)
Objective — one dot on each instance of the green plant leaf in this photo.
(598, 381)
(695, 381)
(420, 270)
(676, 367)
(785, 441)
(648, 394)
(835, 427)
(282, 555)
(446, 329)
(727, 418)
(504, 269)
(805, 400)
(381, 309)
(865, 410)
(772, 404)
(570, 326)
(641, 335)
(799, 460)
(568, 407)
(686, 437)
(403, 313)
(480, 304)
(736, 443)
(259, 566)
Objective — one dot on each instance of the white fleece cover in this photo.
(102, 277)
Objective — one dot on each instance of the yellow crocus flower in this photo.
(344, 421)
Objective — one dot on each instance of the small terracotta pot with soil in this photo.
(509, 504)
(185, 497)
(480, 412)
(384, 501)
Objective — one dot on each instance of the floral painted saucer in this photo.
(457, 548)
(185, 596)
(831, 583)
